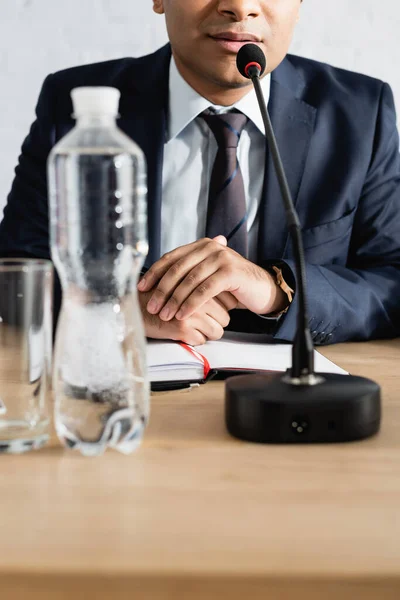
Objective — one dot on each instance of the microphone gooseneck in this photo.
(302, 353)
(301, 406)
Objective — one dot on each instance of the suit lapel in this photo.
(148, 131)
(293, 123)
(144, 109)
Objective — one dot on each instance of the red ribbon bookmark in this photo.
(200, 357)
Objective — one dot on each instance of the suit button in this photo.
(320, 337)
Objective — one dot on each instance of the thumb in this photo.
(221, 240)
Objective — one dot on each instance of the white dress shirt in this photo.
(189, 154)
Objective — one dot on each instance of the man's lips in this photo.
(234, 41)
(236, 37)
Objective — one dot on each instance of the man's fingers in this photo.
(202, 326)
(171, 291)
(191, 336)
(212, 329)
(196, 330)
(197, 279)
(158, 270)
(217, 311)
(184, 270)
(210, 288)
(177, 263)
(206, 326)
(221, 239)
(227, 300)
(183, 277)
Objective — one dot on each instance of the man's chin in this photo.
(234, 85)
(226, 75)
(233, 82)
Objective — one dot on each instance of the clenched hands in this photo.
(205, 279)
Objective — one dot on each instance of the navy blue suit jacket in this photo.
(337, 135)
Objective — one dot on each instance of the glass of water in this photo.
(26, 292)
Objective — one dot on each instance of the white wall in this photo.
(41, 36)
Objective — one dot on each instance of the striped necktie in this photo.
(227, 212)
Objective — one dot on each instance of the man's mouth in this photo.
(234, 41)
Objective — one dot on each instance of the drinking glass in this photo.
(26, 290)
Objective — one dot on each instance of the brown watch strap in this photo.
(276, 273)
(280, 282)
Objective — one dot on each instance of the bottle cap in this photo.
(102, 101)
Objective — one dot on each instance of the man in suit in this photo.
(337, 135)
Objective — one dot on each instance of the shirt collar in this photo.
(185, 104)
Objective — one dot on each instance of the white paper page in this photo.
(240, 351)
(168, 361)
(165, 354)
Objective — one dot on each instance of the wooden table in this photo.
(195, 514)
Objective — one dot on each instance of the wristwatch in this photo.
(277, 274)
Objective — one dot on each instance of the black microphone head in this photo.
(250, 55)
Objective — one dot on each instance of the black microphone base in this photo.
(265, 409)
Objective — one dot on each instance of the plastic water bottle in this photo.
(98, 235)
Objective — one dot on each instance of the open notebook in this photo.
(172, 364)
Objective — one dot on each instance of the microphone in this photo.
(251, 61)
(300, 406)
